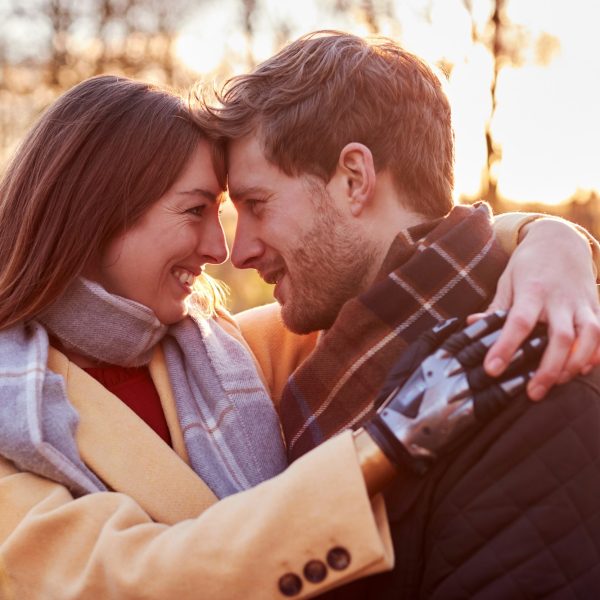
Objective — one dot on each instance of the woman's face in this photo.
(156, 261)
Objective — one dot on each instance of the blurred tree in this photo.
(493, 38)
(47, 46)
(79, 39)
(506, 42)
(60, 15)
(249, 9)
(108, 14)
(368, 12)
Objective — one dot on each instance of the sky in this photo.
(547, 120)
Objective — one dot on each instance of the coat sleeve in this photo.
(313, 522)
(508, 226)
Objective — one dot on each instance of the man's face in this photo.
(297, 236)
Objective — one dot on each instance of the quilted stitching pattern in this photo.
(527, 525)
(514, 513)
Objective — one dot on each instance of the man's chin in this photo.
(304, 321)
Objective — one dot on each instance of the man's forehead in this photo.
(244, 149)
(247, 168)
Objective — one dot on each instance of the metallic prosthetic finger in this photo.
(450, 393)
(489, 402)
(402, 370)
(457, 341)
(528, 355)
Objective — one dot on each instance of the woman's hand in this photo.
(550, 278)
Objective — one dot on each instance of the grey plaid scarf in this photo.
(229, 425)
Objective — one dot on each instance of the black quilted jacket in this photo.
(513, 513)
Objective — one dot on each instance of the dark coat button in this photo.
(338, 558)
(315, 571)
(290, 584)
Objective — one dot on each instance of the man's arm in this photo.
(551, 277)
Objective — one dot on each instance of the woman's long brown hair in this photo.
(94, 163)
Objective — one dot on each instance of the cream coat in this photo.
(161, 534)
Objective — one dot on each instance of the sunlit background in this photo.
(523, 77)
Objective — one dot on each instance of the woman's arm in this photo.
(551, 277)
(104, 545)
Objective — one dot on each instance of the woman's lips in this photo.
(185, 277)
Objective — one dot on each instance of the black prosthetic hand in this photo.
(439, 390)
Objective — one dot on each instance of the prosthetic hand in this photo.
(439, 390)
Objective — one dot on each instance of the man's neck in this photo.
(385, 218)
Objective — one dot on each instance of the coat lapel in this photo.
(125, 453)
(160, 377)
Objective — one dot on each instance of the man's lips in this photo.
(273, 276)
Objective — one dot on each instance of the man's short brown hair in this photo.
(328, 89)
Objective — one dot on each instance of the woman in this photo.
(108, 214)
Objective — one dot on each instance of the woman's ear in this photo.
(357, 170)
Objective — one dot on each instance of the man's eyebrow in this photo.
(218, 197)
(238, 193)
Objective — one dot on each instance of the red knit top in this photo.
(134, 386)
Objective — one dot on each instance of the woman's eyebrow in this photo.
(210, 196)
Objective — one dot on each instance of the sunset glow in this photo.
(547, 120)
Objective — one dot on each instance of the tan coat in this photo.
(161, 534)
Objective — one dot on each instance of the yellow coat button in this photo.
(290, 584)
(315, 571)
(338, 558)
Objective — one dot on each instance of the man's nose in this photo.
(247, 247)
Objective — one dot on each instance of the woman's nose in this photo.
(213, 245)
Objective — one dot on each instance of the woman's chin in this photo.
(171, 315)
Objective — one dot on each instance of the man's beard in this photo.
(332, 263)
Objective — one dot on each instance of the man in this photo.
(340, 158)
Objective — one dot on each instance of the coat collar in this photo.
(125, 453)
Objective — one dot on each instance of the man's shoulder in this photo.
(572, 402)
(278, 351)
(260, 316)
(587, 386)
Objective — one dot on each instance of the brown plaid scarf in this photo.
(441, 269)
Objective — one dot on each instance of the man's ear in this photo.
(357, 170)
